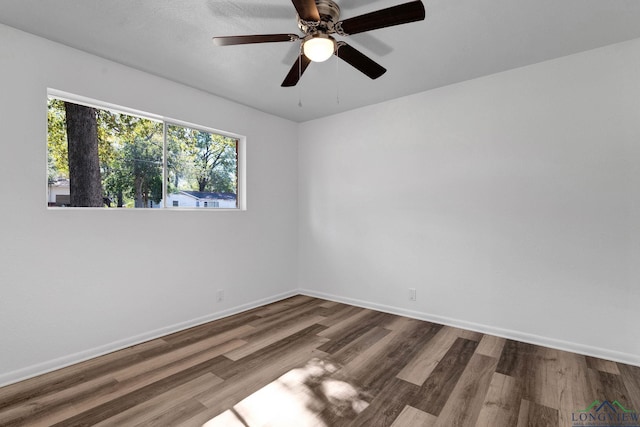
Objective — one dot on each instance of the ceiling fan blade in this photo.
(307, 9)
(264, 38)
(395, 15)
(296, 71)
(359, 61)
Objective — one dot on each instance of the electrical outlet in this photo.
(220, 295)
(412, 294)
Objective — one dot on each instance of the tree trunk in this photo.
(138, 201)
(120, 197)
(202, 184)
(84, 164)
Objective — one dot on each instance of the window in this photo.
(202, 165)
(110, 157)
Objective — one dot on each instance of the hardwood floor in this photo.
(310, 362)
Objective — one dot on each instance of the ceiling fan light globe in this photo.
(319, 48)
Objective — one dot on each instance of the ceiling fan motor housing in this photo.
(329, 14)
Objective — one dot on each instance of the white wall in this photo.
(105, 291)
(511, 203)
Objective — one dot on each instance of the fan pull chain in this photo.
(299, 77)
(337, 78)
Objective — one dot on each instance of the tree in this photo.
(84, 164)
(146, 171)
(131, 158)
(206, 161)
(57, 154)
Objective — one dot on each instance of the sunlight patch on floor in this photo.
(303, 397)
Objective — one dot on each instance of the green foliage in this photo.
(58, 155)
(130, 152)
(201, 161)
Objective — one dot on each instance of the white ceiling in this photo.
(459, 40)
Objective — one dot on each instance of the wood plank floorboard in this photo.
(435, 391)
(387, 406)
(260, 339)
(631, 378)
(412, 417)
(535, 415)
(347, 353)
(246, 383)
(167, 405)
(491, 346)
(501, 402)
(339, 313)
(468, 393)
(571, 382)
(606, 384)
(340, 338)
(602, 365)
(310, 362)
(72, 376)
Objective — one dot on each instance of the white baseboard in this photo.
(55, 364)
(602, 353)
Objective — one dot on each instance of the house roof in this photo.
(61, 182)
(205, 195)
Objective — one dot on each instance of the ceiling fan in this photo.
(319, 19)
